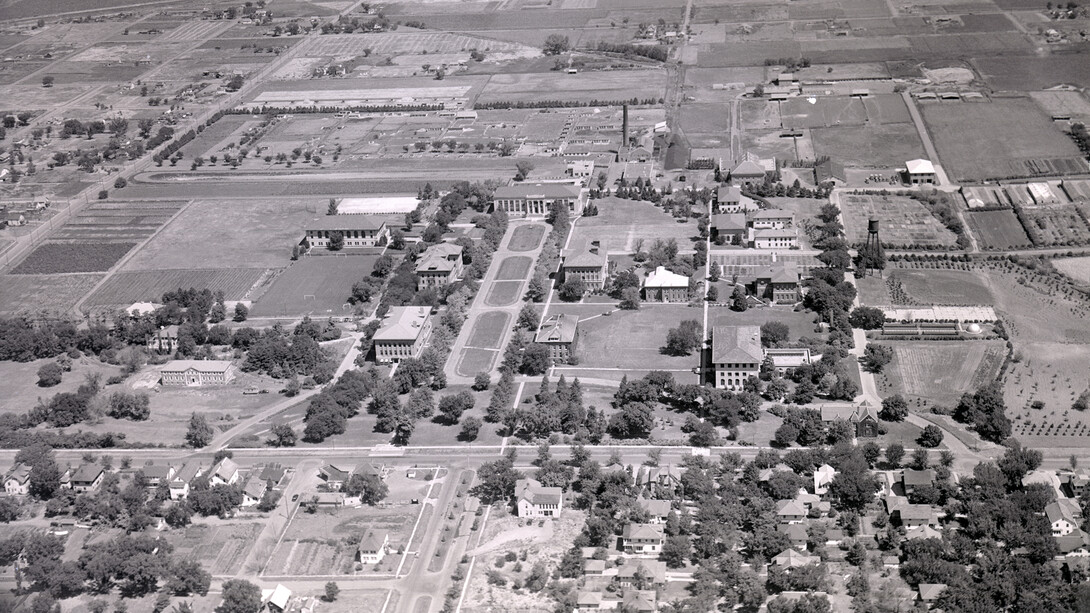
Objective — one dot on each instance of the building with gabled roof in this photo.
(373, 546)
(791, 558)
(278, 598)
(663, 285)
(823, 477)
(912, 479)
(796, 534)
(225, 472)
(643, 539)
(86, 478)
(194, 373)
(657, 510)
(439, 265)
(766, 219)
(748, 171)
(736, 355)
(915, 515)
(1060, 519)
(253, 491)
(919, 171)
(358, 231)
(930, 592)
(179, 483)
(790, 511)
(640, 601)
(773, 238)
(536, 500)
(164, 340)
(17, 481)
(922, 532)
(728, 196)
(588, 263)
(863, 417)
(335, 476)
(155, 474)
(779, 283)
(641, 574)
(730, 226)
(559, 333)
(403, 334)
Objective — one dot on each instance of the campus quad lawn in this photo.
(630, 339)
(473, 361)
(488, 330)
(526, 237)
(619, 223)
(316, 285)
(800, 323)
(503, 293)
(514, 268)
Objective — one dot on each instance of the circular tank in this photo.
(872, 225)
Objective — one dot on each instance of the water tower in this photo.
(872, 251)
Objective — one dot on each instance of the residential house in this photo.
(195, 373)
(536, 500)
(588, 601)
(915, 515)
(335, 476)
(736, 355)
(179, 483)
(657, 510)
(154, 474)
(438, 266)
(164, 340)
(273, 474)
(1074, 545)
(225, 472)
(588, 263)
(663, 285)
(730, 226)
(791, 558)
(643, 539)
(863, 417)
(657, 480)
(796, 534)
(930, 592)
(356, 231)
(537, 199)
(403, 334)
(790, 511)
(594, 567)
(17, 481)
(1060, 518)
(919, 171)
(778, 283)
(1074, 483)
(253, 491)
(922, 532)
(373, 546)
(823, 477)
(560, 335)
(641, 574)
(87, 478)
(639, 601)
(278, 599)
(912, 479)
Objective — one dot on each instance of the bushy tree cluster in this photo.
(328, 412)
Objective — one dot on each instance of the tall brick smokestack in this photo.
(624, 127)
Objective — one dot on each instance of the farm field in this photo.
(1076, 268)
(882, 146)
(122, 222)
(255, 233)
(48, 293)
(603, 86)
(412, 43)
(124, 288)
(315, 285)
(963, 135)
(997, 229)
(940, 372)
(221, 549)
(620, 223)
(54, 258)
(943, 287)
(1056, 225)
(1053, 374)
(526, 237)
(904, 222)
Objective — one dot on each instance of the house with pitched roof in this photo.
(87, 478)
(918, 172)
(823, 477)
(790, 511)
(930, 592)
(155, 474)
(253, 491)
(791, 558)
(588, 263)
(438, 266)
(335, 476)
(736, 355)
(657, 480)
(403, 333)
(913, 479)
(663, 285)
(1062, 521)
(643, 539)
(657, 510)
(779, 283)
(863, 417)
(641, 574)
(560, 335)
(640, 601)
(225, 472)
(730, 226)
(915, 515)
(536, 500)
(727, 197)
(17, 481)
(179, 483)
(796, 534)
(374, 545)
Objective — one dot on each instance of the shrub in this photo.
(50, 374)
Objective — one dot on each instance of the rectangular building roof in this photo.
(535, 190)
(559, 328)
(736, 344)
(209, 366)
(403, 323)
(347, 222)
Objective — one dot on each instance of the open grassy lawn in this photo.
(19, 389)
(801, 323)
(620, 223)
(503, 293)
(613, 85)
(630, 339)
(873, 290)
(870, 146)
(317, 285)
(945, 287)
(253, 233)
(1076, 268)
(526, 237)
(940, 372)
(514, 268)
(474, 361)
(488, 330)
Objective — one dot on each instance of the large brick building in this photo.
(665, 286)
(536, 199)
(560, 333)
(586, 263)
(736, 355)
(357, 231)
(195, 373)
(440, 265)
(403, 334)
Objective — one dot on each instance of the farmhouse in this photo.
(642, 539)
(164, 340)
(736, 355)
(179, 483)
(403, 334)
(730, 226)
(373, 546)
(665, 286)
(17, 481)
(535, 199)
(224, 473)
(356, 230)
(440, 265)
(586, 263)
(536, 500)
(560, 334)
(778, 283)
(863, 417)
(193, 373)
(919, 171)
(86, 478)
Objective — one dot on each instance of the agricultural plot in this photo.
(1055, 225)
(124, 288)
(411, 43)
(220, 549)
(940, 372)
(940, 287)
(621, 223)
(1031, 145)
(605, 86)
(526, 237)
(117, 222)
(316, 285)
(54, 258)
(303, 552)
(1053, 374)
(1076, 268)
(904, 222)
(883, 145)
(997, 229)
(44, 293)
(1030, 72)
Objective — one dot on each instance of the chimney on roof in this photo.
(594, 249)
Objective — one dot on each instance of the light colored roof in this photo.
(729, 193)
(780, 272)
(588, 598)
(918, 167)
(789, 358)
(583, 257)
(931, 591)
(280, 597)
(654, 568)
(535, 190)
(772, 214)
(255, 487)
(533, 492)
(731, 221)
(660, 277)
(226, 469)
(795, 532)
(790, 508)
(186, 473)
(642, 531)
(748, 168)
(792, 558)
(346, 222)
(214, 366)
(736, 344)
(775, 233)
(443, 257)
(403, 323)
(373, 541)
(559, 328)
(922, 532)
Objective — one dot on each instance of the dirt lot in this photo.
(316, 285)
(1076, 268)
(620, 223)
(939, 372)
(997, 229)
(962, 133)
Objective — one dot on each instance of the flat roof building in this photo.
(536, 199)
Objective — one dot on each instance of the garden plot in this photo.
(124, 288)
(52, 294)
(940, 372)
(905, 222)
(221, 550)
(997, 229)
(1055, 225)
(53, 258)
